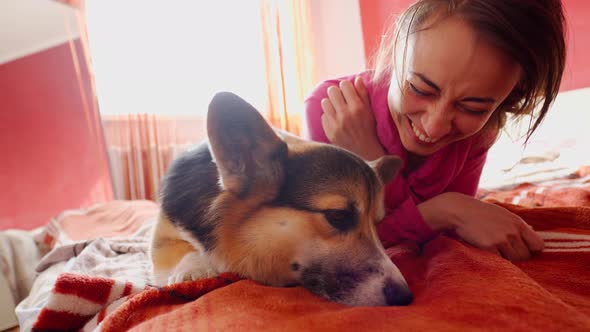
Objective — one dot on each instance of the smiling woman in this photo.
(446, 75)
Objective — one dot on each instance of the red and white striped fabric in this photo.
(82, 302)
(566, 242)
(86, 303)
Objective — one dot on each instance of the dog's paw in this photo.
(193, 274)
(193, 266)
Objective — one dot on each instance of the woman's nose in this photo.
(438, 120)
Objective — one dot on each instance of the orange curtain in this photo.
(141, 147)
(288, 51)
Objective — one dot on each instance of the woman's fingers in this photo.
(362, 90)
(328, 107)
(351, 96)
(507, 251)
(337, 99)
(519, 248)
(532, 240)
(515, 247)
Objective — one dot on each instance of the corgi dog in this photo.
(277, 209)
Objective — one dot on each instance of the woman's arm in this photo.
(486, 226)
(404, 222)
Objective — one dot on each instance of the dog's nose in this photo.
(396, 294)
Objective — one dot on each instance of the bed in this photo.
(91, 272)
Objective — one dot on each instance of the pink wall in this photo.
(577, 70)
(51, 143)
(376, 13)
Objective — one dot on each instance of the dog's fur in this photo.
(276, 209)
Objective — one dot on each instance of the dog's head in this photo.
(293, 212)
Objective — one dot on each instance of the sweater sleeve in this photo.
(467, 181)
(404, 221)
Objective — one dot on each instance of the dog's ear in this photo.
(387, 167)
(248, 153)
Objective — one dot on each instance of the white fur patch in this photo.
(193, 266)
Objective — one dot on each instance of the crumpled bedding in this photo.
(27, 276)
(19, 253)
(121, 259)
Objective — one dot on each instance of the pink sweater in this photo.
(455, 168)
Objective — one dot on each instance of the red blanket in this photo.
(456, 288)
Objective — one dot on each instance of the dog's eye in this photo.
(342, 220)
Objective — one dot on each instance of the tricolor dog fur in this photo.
(276, 209)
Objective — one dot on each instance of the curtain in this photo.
(141, 147)
(289, 63)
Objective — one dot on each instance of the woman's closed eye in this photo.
(419, 92)
(473, 111)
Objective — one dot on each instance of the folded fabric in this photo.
(81, 302)
(119, 259)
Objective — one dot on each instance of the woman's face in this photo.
(453, 81)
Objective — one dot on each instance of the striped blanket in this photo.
(570, 190)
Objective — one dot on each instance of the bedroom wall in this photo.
(51, 143)
(338, 48)
(376, 13)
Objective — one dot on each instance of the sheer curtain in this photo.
(158, 63)
(289, 62)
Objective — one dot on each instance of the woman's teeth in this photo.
(421, 136)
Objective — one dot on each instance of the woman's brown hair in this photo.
(530, 31)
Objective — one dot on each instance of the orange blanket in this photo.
(456, 287)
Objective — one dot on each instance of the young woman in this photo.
(445, 78)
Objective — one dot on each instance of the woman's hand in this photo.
(486, 226)
(348, 120)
